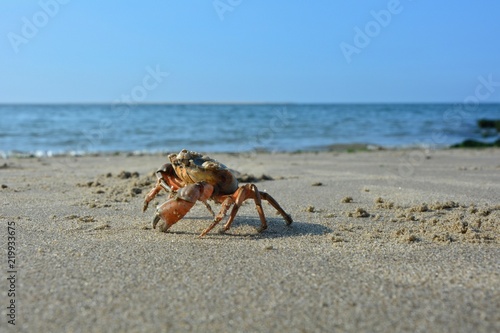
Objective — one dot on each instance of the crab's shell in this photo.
(193, 167)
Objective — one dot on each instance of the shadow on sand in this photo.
(246, 227)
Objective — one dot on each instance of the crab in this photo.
(192, 177)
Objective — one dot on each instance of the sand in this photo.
(382, 241)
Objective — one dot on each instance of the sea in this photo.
(79, 129)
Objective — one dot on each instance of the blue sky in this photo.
(247, 51)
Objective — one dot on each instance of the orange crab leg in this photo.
(226, 204)
(246, 192)
(276, 205)
(152, 194)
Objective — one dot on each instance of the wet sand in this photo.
(382, 241)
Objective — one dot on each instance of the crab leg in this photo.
(152, 194)
(226, 204)
(209, 208)
(248, 191)
(276, 205)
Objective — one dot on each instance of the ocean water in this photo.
(79, 129)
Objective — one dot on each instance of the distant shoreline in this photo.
(338, 148)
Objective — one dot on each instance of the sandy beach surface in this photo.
(382, 241)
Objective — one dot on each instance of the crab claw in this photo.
(175, 208)
(156, 219)
(170, 212)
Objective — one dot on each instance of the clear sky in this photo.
(248, 50)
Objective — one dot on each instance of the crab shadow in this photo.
(247, 228)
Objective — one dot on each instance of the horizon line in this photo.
(230, 103)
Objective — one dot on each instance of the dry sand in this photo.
(383, 241)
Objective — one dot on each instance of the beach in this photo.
(382, 241)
